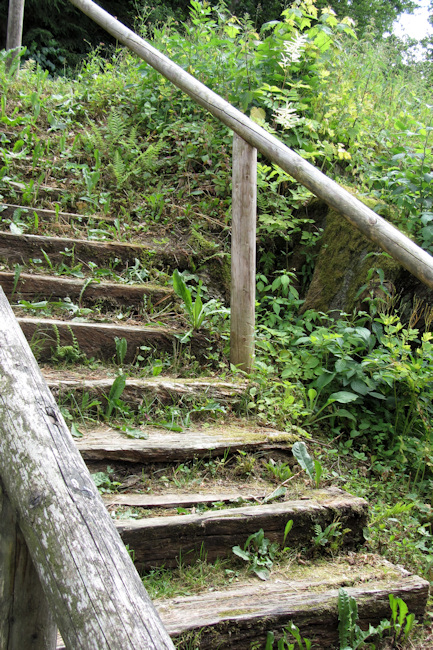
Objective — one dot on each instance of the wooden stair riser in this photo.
(95, 340)
(152, 393)
(161, 541)
(31, 286)
(19, 249)
(240, 617)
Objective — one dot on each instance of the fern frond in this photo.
(115, 126)
(118, 169)
(95, 138)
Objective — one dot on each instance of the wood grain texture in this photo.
(93, 590)
(237, 617)
(159, 540)
(243, 257)
(174, 499)
(411, 256)
(26, 622)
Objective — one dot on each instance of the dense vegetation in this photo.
(58, 36)
(127, 143)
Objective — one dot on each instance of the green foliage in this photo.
(284, 642)
(352, 637)
(196, 310)
(66, 353)
(104, 482)
(121, 349)
(259, 552)
(312, 466)
(114, 403)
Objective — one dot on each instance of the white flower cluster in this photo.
(293, 50)
(287, 116)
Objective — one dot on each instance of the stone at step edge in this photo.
(159, 541)
(237, 617)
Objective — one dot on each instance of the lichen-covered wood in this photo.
(93, 590)
(159, 540)
(238, 616)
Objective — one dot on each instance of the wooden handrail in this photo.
(89, 580)
(377, 229)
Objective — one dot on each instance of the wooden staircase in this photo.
(195, 485)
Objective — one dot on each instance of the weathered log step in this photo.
(158, 541)
(7, 211)
(31, 285)
(306, 596)
(106, 444)
(189, 500)
(162, 389)
(20, 248)
(98, 339)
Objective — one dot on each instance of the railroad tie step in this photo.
(160, 541)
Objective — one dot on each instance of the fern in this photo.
(116, 127)
(148, 159)
(66, 353)
(95, 138)
(118, 169)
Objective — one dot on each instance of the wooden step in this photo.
(98, 339)
(241, 616)
(159, 390)
(181, 500)
(7, 211)
(31, 285)
(159, 541)
(20, 248)
(199, 441)
(306, 596)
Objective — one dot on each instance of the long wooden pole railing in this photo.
(87, 577)
(377, 229)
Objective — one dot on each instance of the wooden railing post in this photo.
(243, 263)
(15, 26)
(26, 622)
